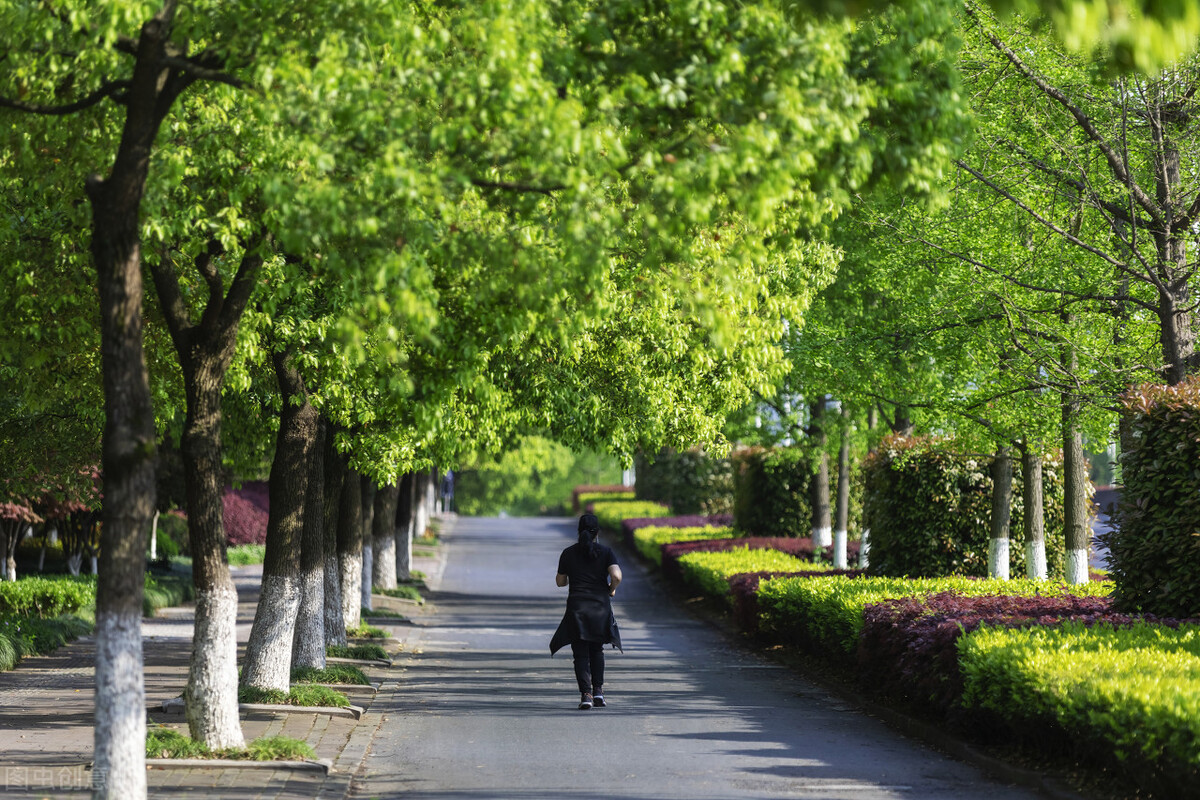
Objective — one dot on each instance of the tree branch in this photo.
(111, 88)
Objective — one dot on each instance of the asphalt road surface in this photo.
(484, 712)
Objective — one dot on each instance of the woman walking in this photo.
(591, 571)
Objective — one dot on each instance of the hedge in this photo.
(743, 589)
(828, 614)
(587, 498)
(1122, 697)
(27, 636)
(612, 512)
(628, 526)
(47, 597)
(1154, 552)
(801, 548)
(595, 489)
(689, 481)
(710, 572)
(771, 491)
(649, 540)
(929, 508)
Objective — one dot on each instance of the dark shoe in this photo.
(598, 700)
(585, 701)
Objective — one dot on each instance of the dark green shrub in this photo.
(47, 597)
(771, 491)
(689, 481)
(1154, 549)
(928, 508)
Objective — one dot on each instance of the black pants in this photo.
(589, 664)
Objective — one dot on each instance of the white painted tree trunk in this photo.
(95, 562)
(420, 517)
(998, 557)
(308, 639)
(368, 573)
(864, 549)
(351, 571)
(1035, 560)
(119, 772)
(822, 537)
(10, 568)
(211, 694)
(839, 549)
(404, 542)
(268, 663)
(74, 563)
(335, 628)
(154, 538)
(383, 571)
(1077, 566)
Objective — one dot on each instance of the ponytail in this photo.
(589, 529)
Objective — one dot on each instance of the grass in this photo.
(381, 612)
(363, 652)
(165, 591)
(245, 554)
(31, 636)
(307, 694)
(424, 553)
(364, 631)
(168, 743)
(336, 673)
(404, 592)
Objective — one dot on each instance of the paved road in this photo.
(483, 712)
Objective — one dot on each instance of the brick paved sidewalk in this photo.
(46, 716)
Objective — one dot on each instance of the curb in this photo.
(176, 706)
(323, 765)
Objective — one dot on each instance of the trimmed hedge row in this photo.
(829, 614)
(710, 571)
(929, 508)
(47, 597)
(1123, 697)
(594, 489)
(611, 513)
(628, 526)
(587, 498)
(743, 590)
(650, 539)
(801, 548)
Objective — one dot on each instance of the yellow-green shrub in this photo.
(710, 572)
(649, 540)
(611, 512)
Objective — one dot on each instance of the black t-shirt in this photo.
(586, 575)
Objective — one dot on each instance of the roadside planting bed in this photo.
(1035, 662)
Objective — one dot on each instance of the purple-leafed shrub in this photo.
(743, 589)
(245, 521)
(801, 547)
(628, 526)
(908, 647)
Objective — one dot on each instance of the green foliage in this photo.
(689, 481)
(710, 572)
(929, 509)
(29, 636)
(334, 673)
(166, 591)
(771, 491)
(1128, 697)
(388, 613)
(47, 597)
(362, 652)
(245, 554)
(829, 611)
(404, 591)
(583, 498)
(307, 695)
(610, 513)
(1153, 548)
(364, 631)
(534, 477)
(163, 742)
(649, 540)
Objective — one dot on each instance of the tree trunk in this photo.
(822, 525)
(842, 516)
(384, 535)
(1075, 481)
(268, 660)
(335, 484)
(420, 507)
(349, 549)
(1002, 478)
(368, 560)
(211, 694)
(308, 640)
(1034, 519)
(404, 527)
